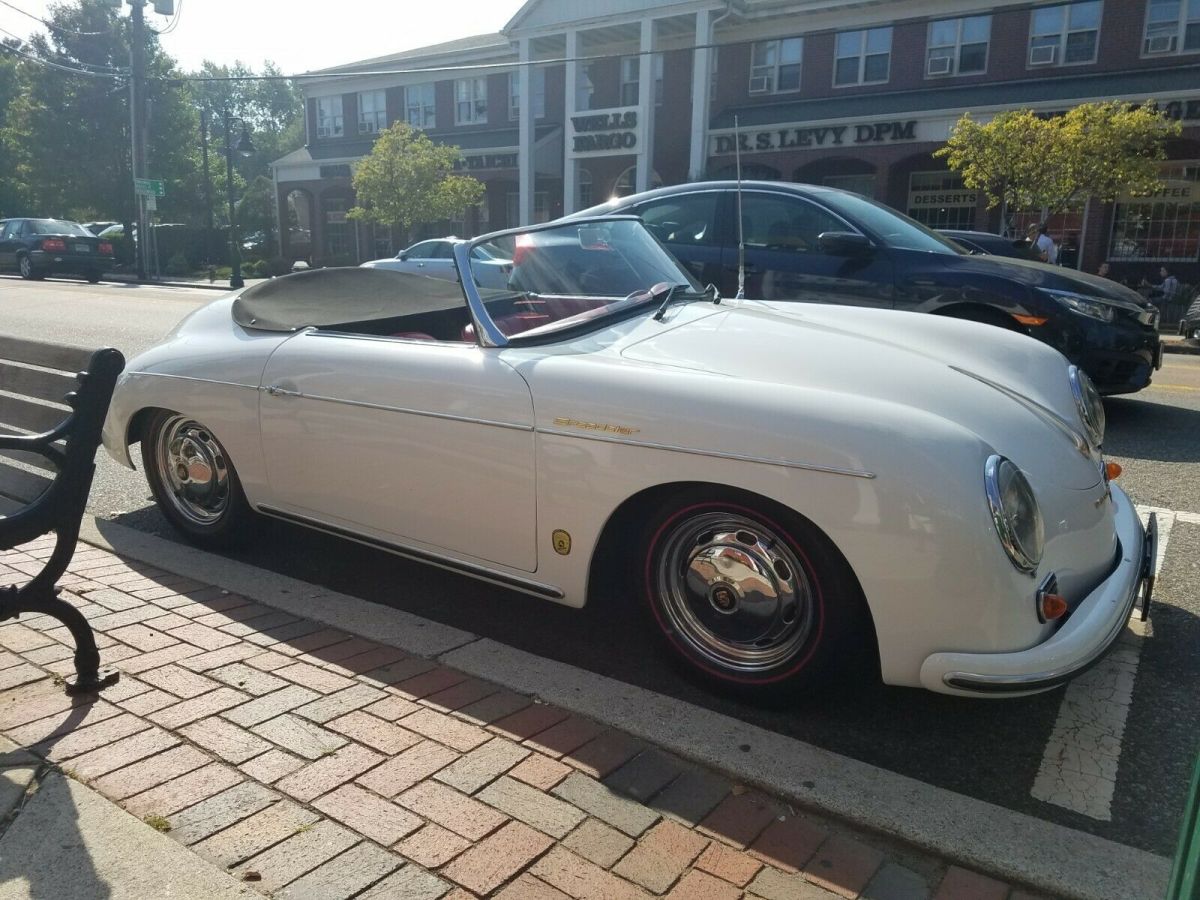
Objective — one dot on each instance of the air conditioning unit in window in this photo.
(366, 128)
(1161, 43)
(760, 84)
(938, 65)
(1045, 55)
(324, 131)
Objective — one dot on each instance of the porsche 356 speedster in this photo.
(779, 488)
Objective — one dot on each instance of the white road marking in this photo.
(1079, 765)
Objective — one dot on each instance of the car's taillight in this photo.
(106, 248)
(523, 249)
(54, 245)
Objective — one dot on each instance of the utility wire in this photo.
(53, 65)
(51, 24)
(98, 69)
(173, 24)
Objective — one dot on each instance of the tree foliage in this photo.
(1022, 160)
(408, 179)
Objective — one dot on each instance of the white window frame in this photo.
(1064, 30)
(1177, 37)
(331, 123)
(956, 47)
(415, 96)
(631, 64)
(474, 92)
(537, 93)
(764, 76)
(376, 120)
(862, 55)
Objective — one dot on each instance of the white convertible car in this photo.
(781, 489)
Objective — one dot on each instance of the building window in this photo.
(583, 198)
(470, 101)
(939, 200)
(420, 108)
(372, 112)
(329, 117)
(626, 183)
(631, 70)
(863, 57)
(1163, 227)
(1065, 35)
(1172, 26)
(775, 65)
(541, 208)
(537, 94)
(584, 89)
(958, 46)
(338, 231)
(855, 184)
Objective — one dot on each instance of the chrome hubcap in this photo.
(26, 265)
(734, 591)
(194, 470)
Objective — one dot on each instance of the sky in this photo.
(226, 31)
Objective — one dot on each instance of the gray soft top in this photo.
(325, 297)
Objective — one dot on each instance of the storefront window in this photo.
(584, 194)
(939, 200)
(339, 235)
(1163, 227)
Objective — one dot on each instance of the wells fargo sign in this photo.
(605, 131)
(814, 136)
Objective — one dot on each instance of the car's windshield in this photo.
(889, 226)
(57, 226)
(573, 272)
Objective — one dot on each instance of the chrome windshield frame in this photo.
(486, 331)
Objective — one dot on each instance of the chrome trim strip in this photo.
(486, 331)
(766, 460)
(422, 556)
(1038, 681)
(1049, 415)
(236, 384)
(275, 391)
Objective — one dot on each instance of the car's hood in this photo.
(1007, 388)
(1057, 278)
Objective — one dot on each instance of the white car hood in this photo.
(963, 371)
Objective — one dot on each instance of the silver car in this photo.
(435, 259)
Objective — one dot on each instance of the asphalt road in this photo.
(990, 750)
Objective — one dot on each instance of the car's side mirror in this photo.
(844, 243)
(402, 256)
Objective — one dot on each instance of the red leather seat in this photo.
(414, 335)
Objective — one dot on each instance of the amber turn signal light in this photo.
(1112, 470)
(1053, 607)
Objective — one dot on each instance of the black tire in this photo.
(93, 277)
(795, 617)
(27, 270)
(211, 513)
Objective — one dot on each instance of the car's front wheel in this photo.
(194, 481)
(751, 596)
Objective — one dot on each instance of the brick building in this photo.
(842, 92)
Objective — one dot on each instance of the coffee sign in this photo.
(814, 136)
(607, 131)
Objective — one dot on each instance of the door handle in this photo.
(277, 391)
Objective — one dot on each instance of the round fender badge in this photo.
(561, 541)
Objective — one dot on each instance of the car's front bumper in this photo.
(1084, 638)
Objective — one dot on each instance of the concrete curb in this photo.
(974, 833)
(1185, 347)
(174, 284)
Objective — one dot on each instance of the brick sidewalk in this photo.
(318, 765)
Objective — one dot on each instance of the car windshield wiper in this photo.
(673, 293)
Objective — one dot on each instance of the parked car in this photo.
(991, 244)
(97, 227)
(40, 247)
(783, 488)
(1189, 325)
(821, 245)
(435, 259)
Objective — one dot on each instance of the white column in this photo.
(570, 164)
(645, 154)
(525, 136)
(701, 82)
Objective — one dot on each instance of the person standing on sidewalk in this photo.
(1042, 243)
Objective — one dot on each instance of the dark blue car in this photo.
(40, 247)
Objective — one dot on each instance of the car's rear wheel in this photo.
(194, 481)
(750, 596)
(92, 277)
(26, 267)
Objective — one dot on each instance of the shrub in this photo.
(178, 265)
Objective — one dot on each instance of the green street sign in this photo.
(148, 187)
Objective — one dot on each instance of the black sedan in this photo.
(40, 247)
(992, 244)
(821, 245)
(1189, 325)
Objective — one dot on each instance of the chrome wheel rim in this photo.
(735, 592)
(194, 471)
(26, 267)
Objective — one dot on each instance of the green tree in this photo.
(1022, 160)
(408, 179)
(14, 198)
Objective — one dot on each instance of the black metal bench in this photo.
(50, 422)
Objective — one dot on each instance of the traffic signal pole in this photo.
(137, 112)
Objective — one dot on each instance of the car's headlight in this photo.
(1015, 513)
(1083, 304)
(1090, 404)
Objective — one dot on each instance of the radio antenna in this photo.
(737, 149)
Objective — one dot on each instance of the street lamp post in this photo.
(245, 148)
